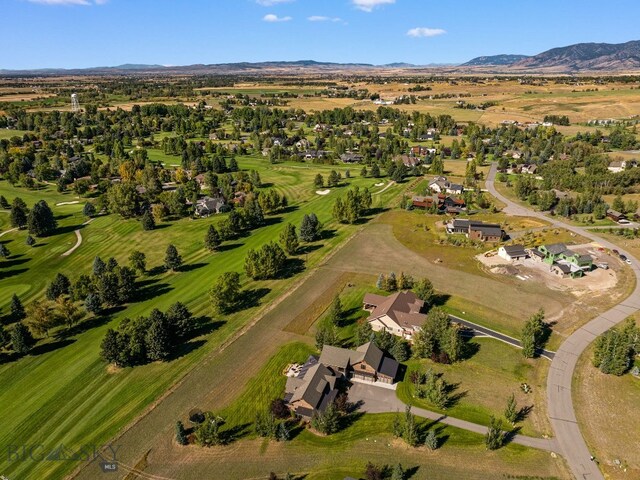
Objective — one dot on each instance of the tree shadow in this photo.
(235, 433)
(469, 349)
(251, 298)
(157, 270)
(185, 349)
(268, 221)
(454, 397)
(66, 229)
(63, 216)
(410, 472)
(191, 266)
(203, 326)
(523, 413)
(228, 246)
(347, 420)
(152, 289)
(351, 316)
(510, 435)
(293, 266)
(303, 250)
(327, 233)
(440, 299)
(50, 346)
(14, 262)
(12, 273)
(102, 318)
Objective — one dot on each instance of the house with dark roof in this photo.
(367, 362)
(476, 230)
(399, 314)
(311, 391)
(563, 261)
(442, 185)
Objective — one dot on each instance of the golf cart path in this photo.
(78, 239)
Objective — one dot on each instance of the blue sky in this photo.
(88, 33)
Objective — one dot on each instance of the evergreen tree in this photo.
(424, 290)
(225, 294)
(30, 241)
(400, 350)
(181, 434)
(138, 262)
(318, 181)
(147, 221)
(283, 434)
(534, 334)
(289, 239)
(326, 422)
(172, 259)
(180, 320)
(326, 335)
(381, 282)
(364, 332)
(309, 229)
(494, 438)
(336, 312)
(212, 239)
(40, 220)
(3, 203)
(92, 303)
(398, 473)
(89, 210)
(4, 251)
(21, 339)
(111, 347)
(375, 171)
(409, 429)
(18, 214)
(158, 337)
(431, 440)
(59, 286)
(99, 267)
(17, 309)
(392, 283)
(511, 411)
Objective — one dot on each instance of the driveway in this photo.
(375, 399)
(561, 411)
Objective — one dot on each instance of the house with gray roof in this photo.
(367, 362)
(209, 205)
(312, 391)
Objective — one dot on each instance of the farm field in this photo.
(85, 388)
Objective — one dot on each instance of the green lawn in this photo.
(64, 389)
(6, 133)
(484, 382)
(365, 438)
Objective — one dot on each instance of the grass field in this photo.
(86, 403)
(364, 438)
(605, 406)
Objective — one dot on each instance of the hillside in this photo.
(503, 59)
(585, 57)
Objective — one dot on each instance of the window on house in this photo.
(363, 367)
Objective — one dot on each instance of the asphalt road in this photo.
(561, 411)
(487, 332)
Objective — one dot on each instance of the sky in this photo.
(90, 33)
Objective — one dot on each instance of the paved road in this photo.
(561, 411)
(487, 332)
(375, 399)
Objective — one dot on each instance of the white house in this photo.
(512, 252)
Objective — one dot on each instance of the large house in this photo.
(476, 230)
(409, 161)
(208, 206)
(442, 185)
(399, 314)
(367, 363)
(315, 386)
(443, 203)
(313, 390)
(563, 261)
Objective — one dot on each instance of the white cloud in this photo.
(69, 2)
(271, 3)
(369, 5)
(270, 17)
(322, 18)
(425, 32)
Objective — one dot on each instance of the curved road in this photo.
(561, 411)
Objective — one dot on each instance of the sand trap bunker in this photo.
(322, 192)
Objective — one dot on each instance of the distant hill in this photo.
(504, 59)
(585, 57)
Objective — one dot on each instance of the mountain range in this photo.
(572, 59)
